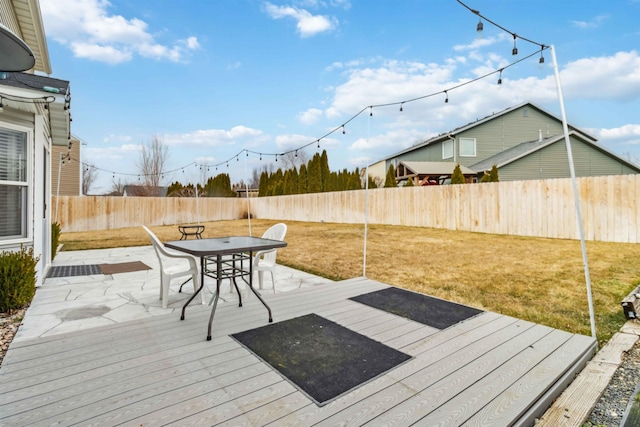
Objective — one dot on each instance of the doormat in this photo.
(123, 267)
(73, 270)
(421, 308)
(321, 358)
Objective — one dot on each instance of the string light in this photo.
(479, 28)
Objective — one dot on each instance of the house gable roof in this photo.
(526, 148)
(17, 88)
(435, 168)
(29, 19)
(448, 135)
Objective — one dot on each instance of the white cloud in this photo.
(114, 137)
(92, 33)
(287, 142)
(604, 77)
(309, 117)
(307, 24)
(480, 42)
(215, 137)
(594, 23)
(626, 131)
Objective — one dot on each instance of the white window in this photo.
(13, 184)
(467, 147)
(447, 149)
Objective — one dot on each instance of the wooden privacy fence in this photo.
(85, 213)
(542, 208)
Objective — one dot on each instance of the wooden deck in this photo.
(488, 370)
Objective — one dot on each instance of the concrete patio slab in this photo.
(69, 304)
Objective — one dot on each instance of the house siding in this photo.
(8, 17)
(552, 162)
(70, 175)
(507, 131)
(430, 153)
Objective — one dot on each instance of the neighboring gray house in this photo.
(524, 142)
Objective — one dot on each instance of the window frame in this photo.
(27, 185)
(445, 144)
(473, 141)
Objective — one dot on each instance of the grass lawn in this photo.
(535, 279)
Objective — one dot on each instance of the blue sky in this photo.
(214, 78)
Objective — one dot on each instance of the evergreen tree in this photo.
(325, 172)
(302, 180)
(409, 183)
(295, 180)
(493, 175)
(457, 177)
(390, 179)
(174, 190)
(263, 187)
(314, 172)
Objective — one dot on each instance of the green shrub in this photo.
(55, 238)
(457, 177)
(17, 278)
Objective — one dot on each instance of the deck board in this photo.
(158, 371)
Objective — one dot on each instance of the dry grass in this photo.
(540, 280)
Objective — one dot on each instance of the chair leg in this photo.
(196, 284)
(260, 278)
(164, 285)
(273, 281)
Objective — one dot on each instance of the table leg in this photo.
(215, 302)
(256, 293)
(184, 307)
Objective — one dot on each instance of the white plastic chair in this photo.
(170, 272)
(266, 260)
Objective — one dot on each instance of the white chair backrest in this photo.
(275, 232)
(157, 244)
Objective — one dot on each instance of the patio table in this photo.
(228, 254)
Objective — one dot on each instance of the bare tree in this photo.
(89, 175)
(117, 187)
(293, 159)
(153, 158)
(633, 158)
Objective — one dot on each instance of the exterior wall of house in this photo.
(8, 17)
(37, 215)
(69, 170)
(430, 153)
(552, 162)
(506, 131)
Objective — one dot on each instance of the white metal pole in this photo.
(366, 207)
(197, 205)
(246, 187)
(576, 196)
(366, 219)
(58, 187)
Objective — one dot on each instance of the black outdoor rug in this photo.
(323, 359)
(421, 308)
(73, 270)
